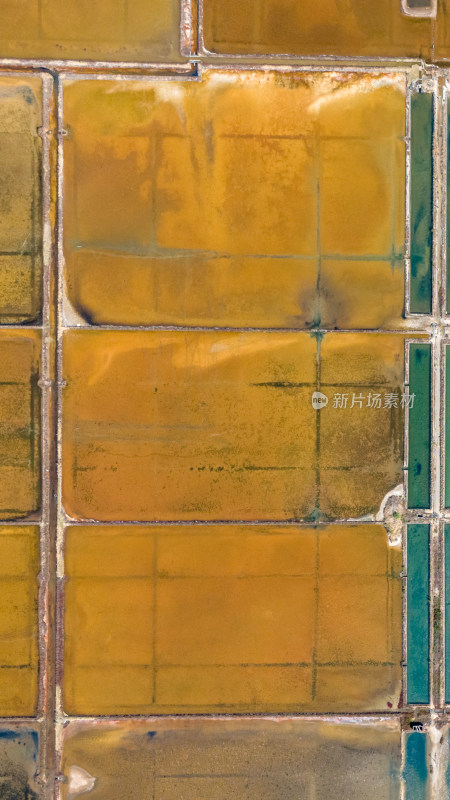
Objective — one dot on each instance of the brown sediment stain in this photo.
(237, 619)
(234, 200)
